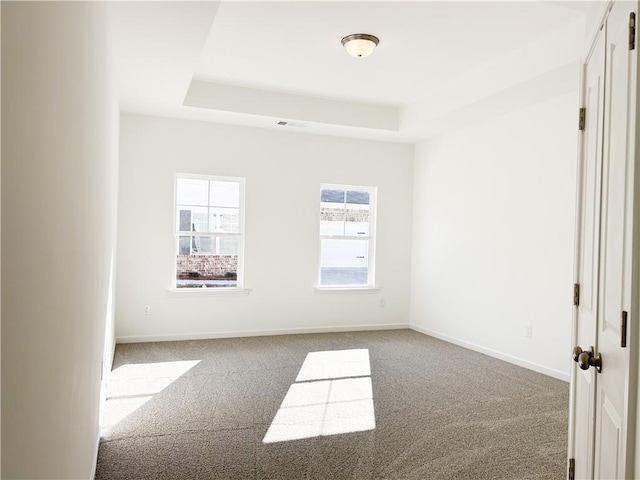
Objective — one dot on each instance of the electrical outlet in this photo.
(528, 331)
(383, 302)
(147, 309)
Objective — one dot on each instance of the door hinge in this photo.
(572, 469)
(582, 117)
(576, 294)
(632, 31)
(623, 330)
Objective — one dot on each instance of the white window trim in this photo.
(239, 288)
(370, 287)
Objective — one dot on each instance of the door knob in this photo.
(576, 353)
(586, 359)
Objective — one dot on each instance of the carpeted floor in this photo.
(425, 410)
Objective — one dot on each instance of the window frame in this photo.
(371, 237)
(177, 233)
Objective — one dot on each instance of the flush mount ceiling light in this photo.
(360, 45)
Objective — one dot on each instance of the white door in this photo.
(584, 381)
(615, 248)
(600, 401)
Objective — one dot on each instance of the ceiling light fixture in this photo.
(360, 45)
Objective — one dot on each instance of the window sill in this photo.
(208, 292)
(323, 290)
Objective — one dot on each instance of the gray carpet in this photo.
(441, 412)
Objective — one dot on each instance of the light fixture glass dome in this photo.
(360, 45)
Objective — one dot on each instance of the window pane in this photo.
(357, 229)
(203, 268)
(229, 245)
(184, 220)
(224, 194)
(192, 219)
(225, 220)
(344, 262)
(332, 218)
(358, 197)
(332, 214)
(357, 213)
(184, 246)
(331, 228)
(192, 191)
(203, 245)
(357, 220)
(332, 196)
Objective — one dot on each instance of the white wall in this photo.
(59, 157)
(283, 173)
(493, 235)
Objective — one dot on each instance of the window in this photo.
(208, 229)
(347, 230)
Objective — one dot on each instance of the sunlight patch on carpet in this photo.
(332, 395)
(133, 385)
(335, 364)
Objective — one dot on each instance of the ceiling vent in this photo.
(292, 124)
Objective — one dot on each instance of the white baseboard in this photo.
(257, 333)
(494, 353)
(346, 328)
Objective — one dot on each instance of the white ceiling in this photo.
(295, 47)
(254, 63)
